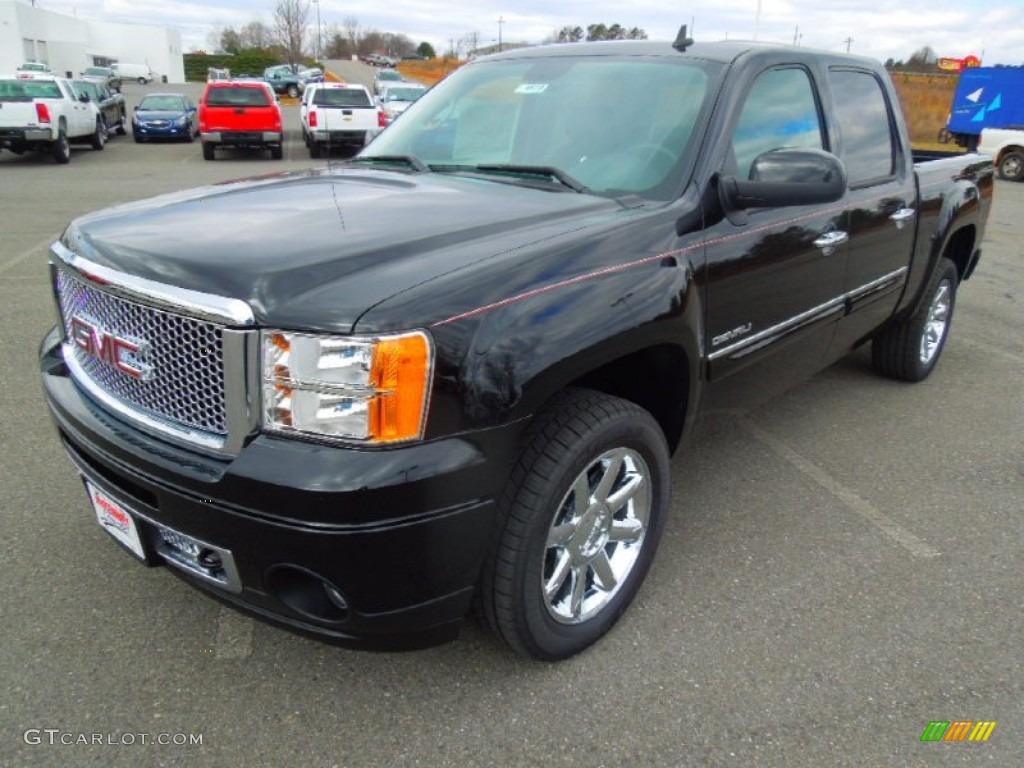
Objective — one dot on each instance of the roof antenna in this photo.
(682, 41)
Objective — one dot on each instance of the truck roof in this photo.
(723, 51)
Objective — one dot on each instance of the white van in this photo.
(141, 73)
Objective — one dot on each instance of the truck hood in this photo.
(316, 249)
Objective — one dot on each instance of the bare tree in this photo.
(351, 31)
(256, 34)
(290, 22)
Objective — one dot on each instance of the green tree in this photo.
(569, 35)
(426, 50)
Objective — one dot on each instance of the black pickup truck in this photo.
(458, 389)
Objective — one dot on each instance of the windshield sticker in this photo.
(529, 88)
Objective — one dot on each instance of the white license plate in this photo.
(116, 520)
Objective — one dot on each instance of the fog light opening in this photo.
(307, 593)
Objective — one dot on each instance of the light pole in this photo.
(501, 21)
(319, 50)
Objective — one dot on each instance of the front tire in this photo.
(1011, 166)
(578, 525)
(293, 91)
(121, 129)
(910, 349)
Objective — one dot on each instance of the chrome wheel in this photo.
(936, 323)
(596, 536)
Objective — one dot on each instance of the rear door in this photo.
(882, 199)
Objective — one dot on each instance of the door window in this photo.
(781, 111)
(865, 126)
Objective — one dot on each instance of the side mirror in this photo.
(84, 98)
(784, 177)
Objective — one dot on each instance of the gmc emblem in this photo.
(120, 353)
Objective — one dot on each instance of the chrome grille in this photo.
(186, 356)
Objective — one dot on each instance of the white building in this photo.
(69, 45)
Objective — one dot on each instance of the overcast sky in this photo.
(993, 29)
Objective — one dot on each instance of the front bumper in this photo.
(394, 538)
(168, 130)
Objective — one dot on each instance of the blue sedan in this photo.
(165, 116)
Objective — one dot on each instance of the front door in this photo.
(774, 280)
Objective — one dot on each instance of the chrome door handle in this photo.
(902, 216)
(830, 241)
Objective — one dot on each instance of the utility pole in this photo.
(757, 20)
(848, 41)
(319, 49)
(501, 21)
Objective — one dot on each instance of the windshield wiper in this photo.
(551, 172)
(411, 160)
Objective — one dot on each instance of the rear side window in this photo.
(781, 111)
(237, 97)
(26, 90)
(341, 97)
(864, 124)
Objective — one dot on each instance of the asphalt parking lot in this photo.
(842, 566)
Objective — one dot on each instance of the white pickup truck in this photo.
(339, 115)
(42, 113)
(1006, 145)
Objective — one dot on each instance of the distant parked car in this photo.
(141, 73)
(384, 76)
(104, 75)
(395, 98)
(240, 115)
(34, 66)
(380, 60)
(215, 74)
(284, 80)
(312, 75)
(339, 115)
(165, 116)
(110, 103)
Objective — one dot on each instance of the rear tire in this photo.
(208, 150)
(99, 136)
(121, 129)
(293, 91)
(276, 153)
(910, 349)
(61, 150)
(577, 526)
(314, 149)
(1011, 166)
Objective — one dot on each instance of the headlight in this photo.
(373, 390)
(180, 120)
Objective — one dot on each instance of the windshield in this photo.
(389, 74)
(163, 103)
(617, 125)
(99, 71)
(237, 96)
(403, 94)
(26, 90)
(341, 97)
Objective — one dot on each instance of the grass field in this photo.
(926, 101)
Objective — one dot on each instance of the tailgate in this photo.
(240, 118)
(347, 118)
(20, 114)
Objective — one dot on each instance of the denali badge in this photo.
(730, 335)
(120, 353)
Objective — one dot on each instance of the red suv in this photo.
(243, 114)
